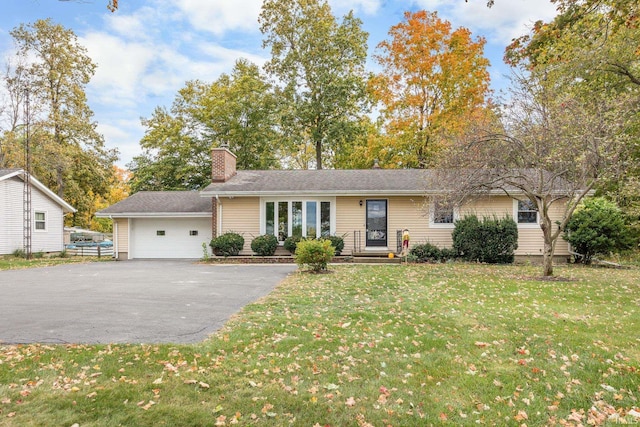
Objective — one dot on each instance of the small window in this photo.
(193, 232)
(527, 212)
(40, 221)
(160, 233)
(442, 213)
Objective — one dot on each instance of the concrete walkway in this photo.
(128, 302)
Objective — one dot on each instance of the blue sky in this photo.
(148, 49)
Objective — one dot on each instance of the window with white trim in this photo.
(300, 218)
(527, 212)
(40, 221)
(442, 214)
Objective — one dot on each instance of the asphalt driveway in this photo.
(127, 302)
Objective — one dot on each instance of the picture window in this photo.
(160, 233)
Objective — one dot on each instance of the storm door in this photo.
(376, 223)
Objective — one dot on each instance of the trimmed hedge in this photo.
(337, 242)
(426, 252)
(265, 245)
(228, 244)
(291, 242)
(491, 240)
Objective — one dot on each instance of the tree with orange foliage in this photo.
(434, 80)
(118, 190)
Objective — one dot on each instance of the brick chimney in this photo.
(223, 164)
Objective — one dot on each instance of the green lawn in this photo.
(9, 262)
(416, 345)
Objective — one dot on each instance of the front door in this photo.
(376, 223)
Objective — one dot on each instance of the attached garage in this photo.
(160, 224)
(168, 237)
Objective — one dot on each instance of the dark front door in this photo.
(376, 223)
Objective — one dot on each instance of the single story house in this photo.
(366, 207)
(46, 217)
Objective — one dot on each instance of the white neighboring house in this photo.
(47, 214)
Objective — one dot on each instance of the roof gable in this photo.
(19, 173)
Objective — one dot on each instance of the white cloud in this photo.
(121, 67)
(369, 7)
(217, 17)
(501, 23)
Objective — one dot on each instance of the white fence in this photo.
(98, 251)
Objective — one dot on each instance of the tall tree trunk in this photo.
(319, 154)
(547, 259)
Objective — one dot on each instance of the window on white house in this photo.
(40, 222)
(193, 232)
(527, 212)
(160, 233)
(300, 218)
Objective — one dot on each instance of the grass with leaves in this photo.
(416, 345)
(10, 262)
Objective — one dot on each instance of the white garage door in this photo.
(169, 237)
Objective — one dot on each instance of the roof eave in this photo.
(153, 215)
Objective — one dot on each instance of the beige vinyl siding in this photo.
(350, 216)
(241, 215)
(531, 242)
(121, 225)
(413, 213)
(402, 212)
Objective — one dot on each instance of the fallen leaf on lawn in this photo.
(634, 413)
(350, 401)
(521, 416)
(92, 394)
(157, 381)
(190, 382)
(481, 344)
(203, 385)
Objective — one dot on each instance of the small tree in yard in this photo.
(553, 148)
(314, 253)
(597, 228)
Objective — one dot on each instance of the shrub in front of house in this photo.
(597, 227)
(314, 253)
(337, 242)
(426, 252)
(291, 242)
(265, 245)
(490, 240)
(227, 244)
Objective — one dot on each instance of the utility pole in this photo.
(26, 194)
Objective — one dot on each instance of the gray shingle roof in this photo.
(329, 181)
(4, 172)
(160, 202)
